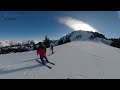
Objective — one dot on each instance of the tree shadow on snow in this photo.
(2, 71)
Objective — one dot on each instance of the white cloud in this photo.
(76, 24)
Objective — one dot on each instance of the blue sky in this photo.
(30, 25)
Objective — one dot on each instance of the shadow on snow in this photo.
(2, 71)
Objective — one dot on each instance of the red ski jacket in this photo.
(41, 52)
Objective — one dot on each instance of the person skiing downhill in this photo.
(51, 47)
(42, 52)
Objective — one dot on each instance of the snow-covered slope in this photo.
(74, 60)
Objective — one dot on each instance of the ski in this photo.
(44, 64)
(51, 63)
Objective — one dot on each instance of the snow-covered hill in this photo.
(84, 36)
(74, 60)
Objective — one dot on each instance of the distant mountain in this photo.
(17, 46)
(12, 43)
(83, 36)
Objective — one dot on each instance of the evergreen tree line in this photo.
(96, 34)
(116, 42)
(65, 40)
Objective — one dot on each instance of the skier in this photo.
(51, 47)
(42, 52)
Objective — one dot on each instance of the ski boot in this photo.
(43, 62)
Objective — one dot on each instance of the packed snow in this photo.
(74, 60)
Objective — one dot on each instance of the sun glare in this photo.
(84, 27)
(76, 24)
